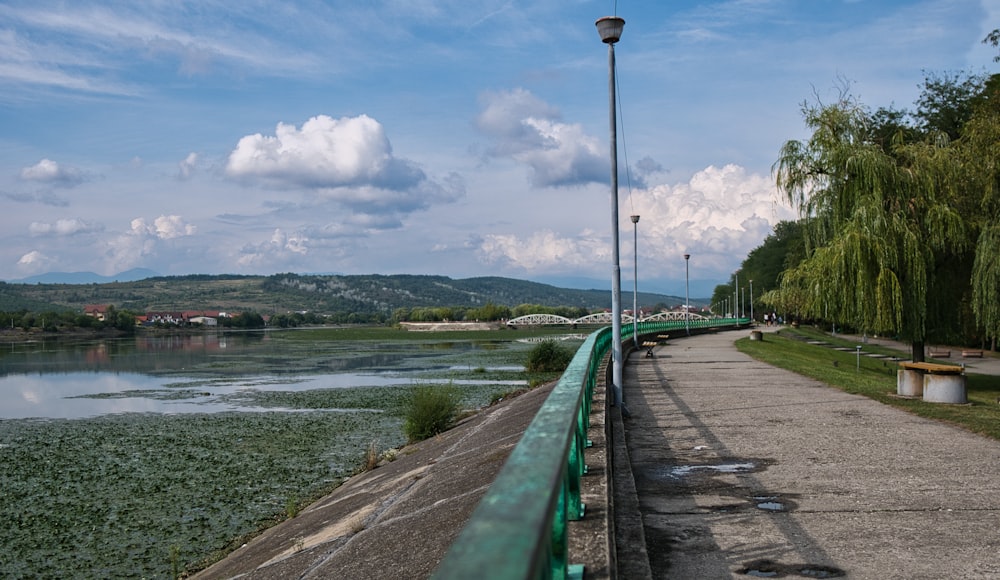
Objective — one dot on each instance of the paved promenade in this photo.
(727, 468)
(745, 470)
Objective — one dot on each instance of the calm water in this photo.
(188, 374)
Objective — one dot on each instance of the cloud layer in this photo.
(719, 214)
(455, 138)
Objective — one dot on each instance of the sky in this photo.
(459, 138)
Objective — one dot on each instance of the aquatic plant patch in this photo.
(145, 495)
(158, 394)
(113, 497)
(392, 400)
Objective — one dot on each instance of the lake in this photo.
(202, 373)
(149, 455)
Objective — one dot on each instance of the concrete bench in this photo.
(972, 353)
(936, 383)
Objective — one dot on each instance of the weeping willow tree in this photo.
(875, 225)
(978, 154)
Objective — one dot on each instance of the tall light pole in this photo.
(687, 301)
(610, 29)
(635, 279)
(751, 303)
(736, 296)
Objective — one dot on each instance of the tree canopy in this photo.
(899, 214)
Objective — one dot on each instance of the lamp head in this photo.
(687, 256)
(610, 28)
(634, 218)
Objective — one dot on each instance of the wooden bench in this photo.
(939, 353)
(972, 353)
(932, 368)
(648, 345)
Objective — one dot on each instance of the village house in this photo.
(98, 311)
(203, 317)
(165, 317)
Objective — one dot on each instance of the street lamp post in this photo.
(751, 302)
(687, 300)
(736, 297)
(635, 279)
(610, 29)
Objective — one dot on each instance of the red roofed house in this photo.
(98, 311)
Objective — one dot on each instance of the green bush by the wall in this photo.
(431, 410)
(548, 356)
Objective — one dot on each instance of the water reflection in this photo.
(140, 353)
(195, 373)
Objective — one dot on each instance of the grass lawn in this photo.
(876, 378)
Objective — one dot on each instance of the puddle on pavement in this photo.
(684, 470)
(772, 569)
(770, 503)
(821, 572)
(762, 569)
(771, 506)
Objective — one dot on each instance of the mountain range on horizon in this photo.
(133, 275)
(351, 297)
(699, 288)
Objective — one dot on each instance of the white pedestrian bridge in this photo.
(598, 318)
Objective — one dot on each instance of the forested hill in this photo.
(361, 294)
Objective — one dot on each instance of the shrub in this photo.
(431, 410)
(292, 506)
(549, 356)
(371, 459)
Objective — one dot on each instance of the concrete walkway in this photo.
(742, 469)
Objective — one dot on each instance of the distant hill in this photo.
(326, 294)
(86, 277)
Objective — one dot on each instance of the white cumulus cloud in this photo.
(348, 160)
(526, 129)
(281, 248)
(144, 241)
(187, 166)
(48, 171)
(165, 227)
(544, 250)
(34, 262)
(718, 216)
(325, 152)
(62, 227)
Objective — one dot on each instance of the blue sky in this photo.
(457, 138)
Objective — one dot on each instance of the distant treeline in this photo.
(67, 320)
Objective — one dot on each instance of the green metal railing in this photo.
(519, 529)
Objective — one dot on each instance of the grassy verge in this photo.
(876, 378)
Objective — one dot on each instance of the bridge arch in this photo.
(598, 318)
(538, 320)
(672, 315)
